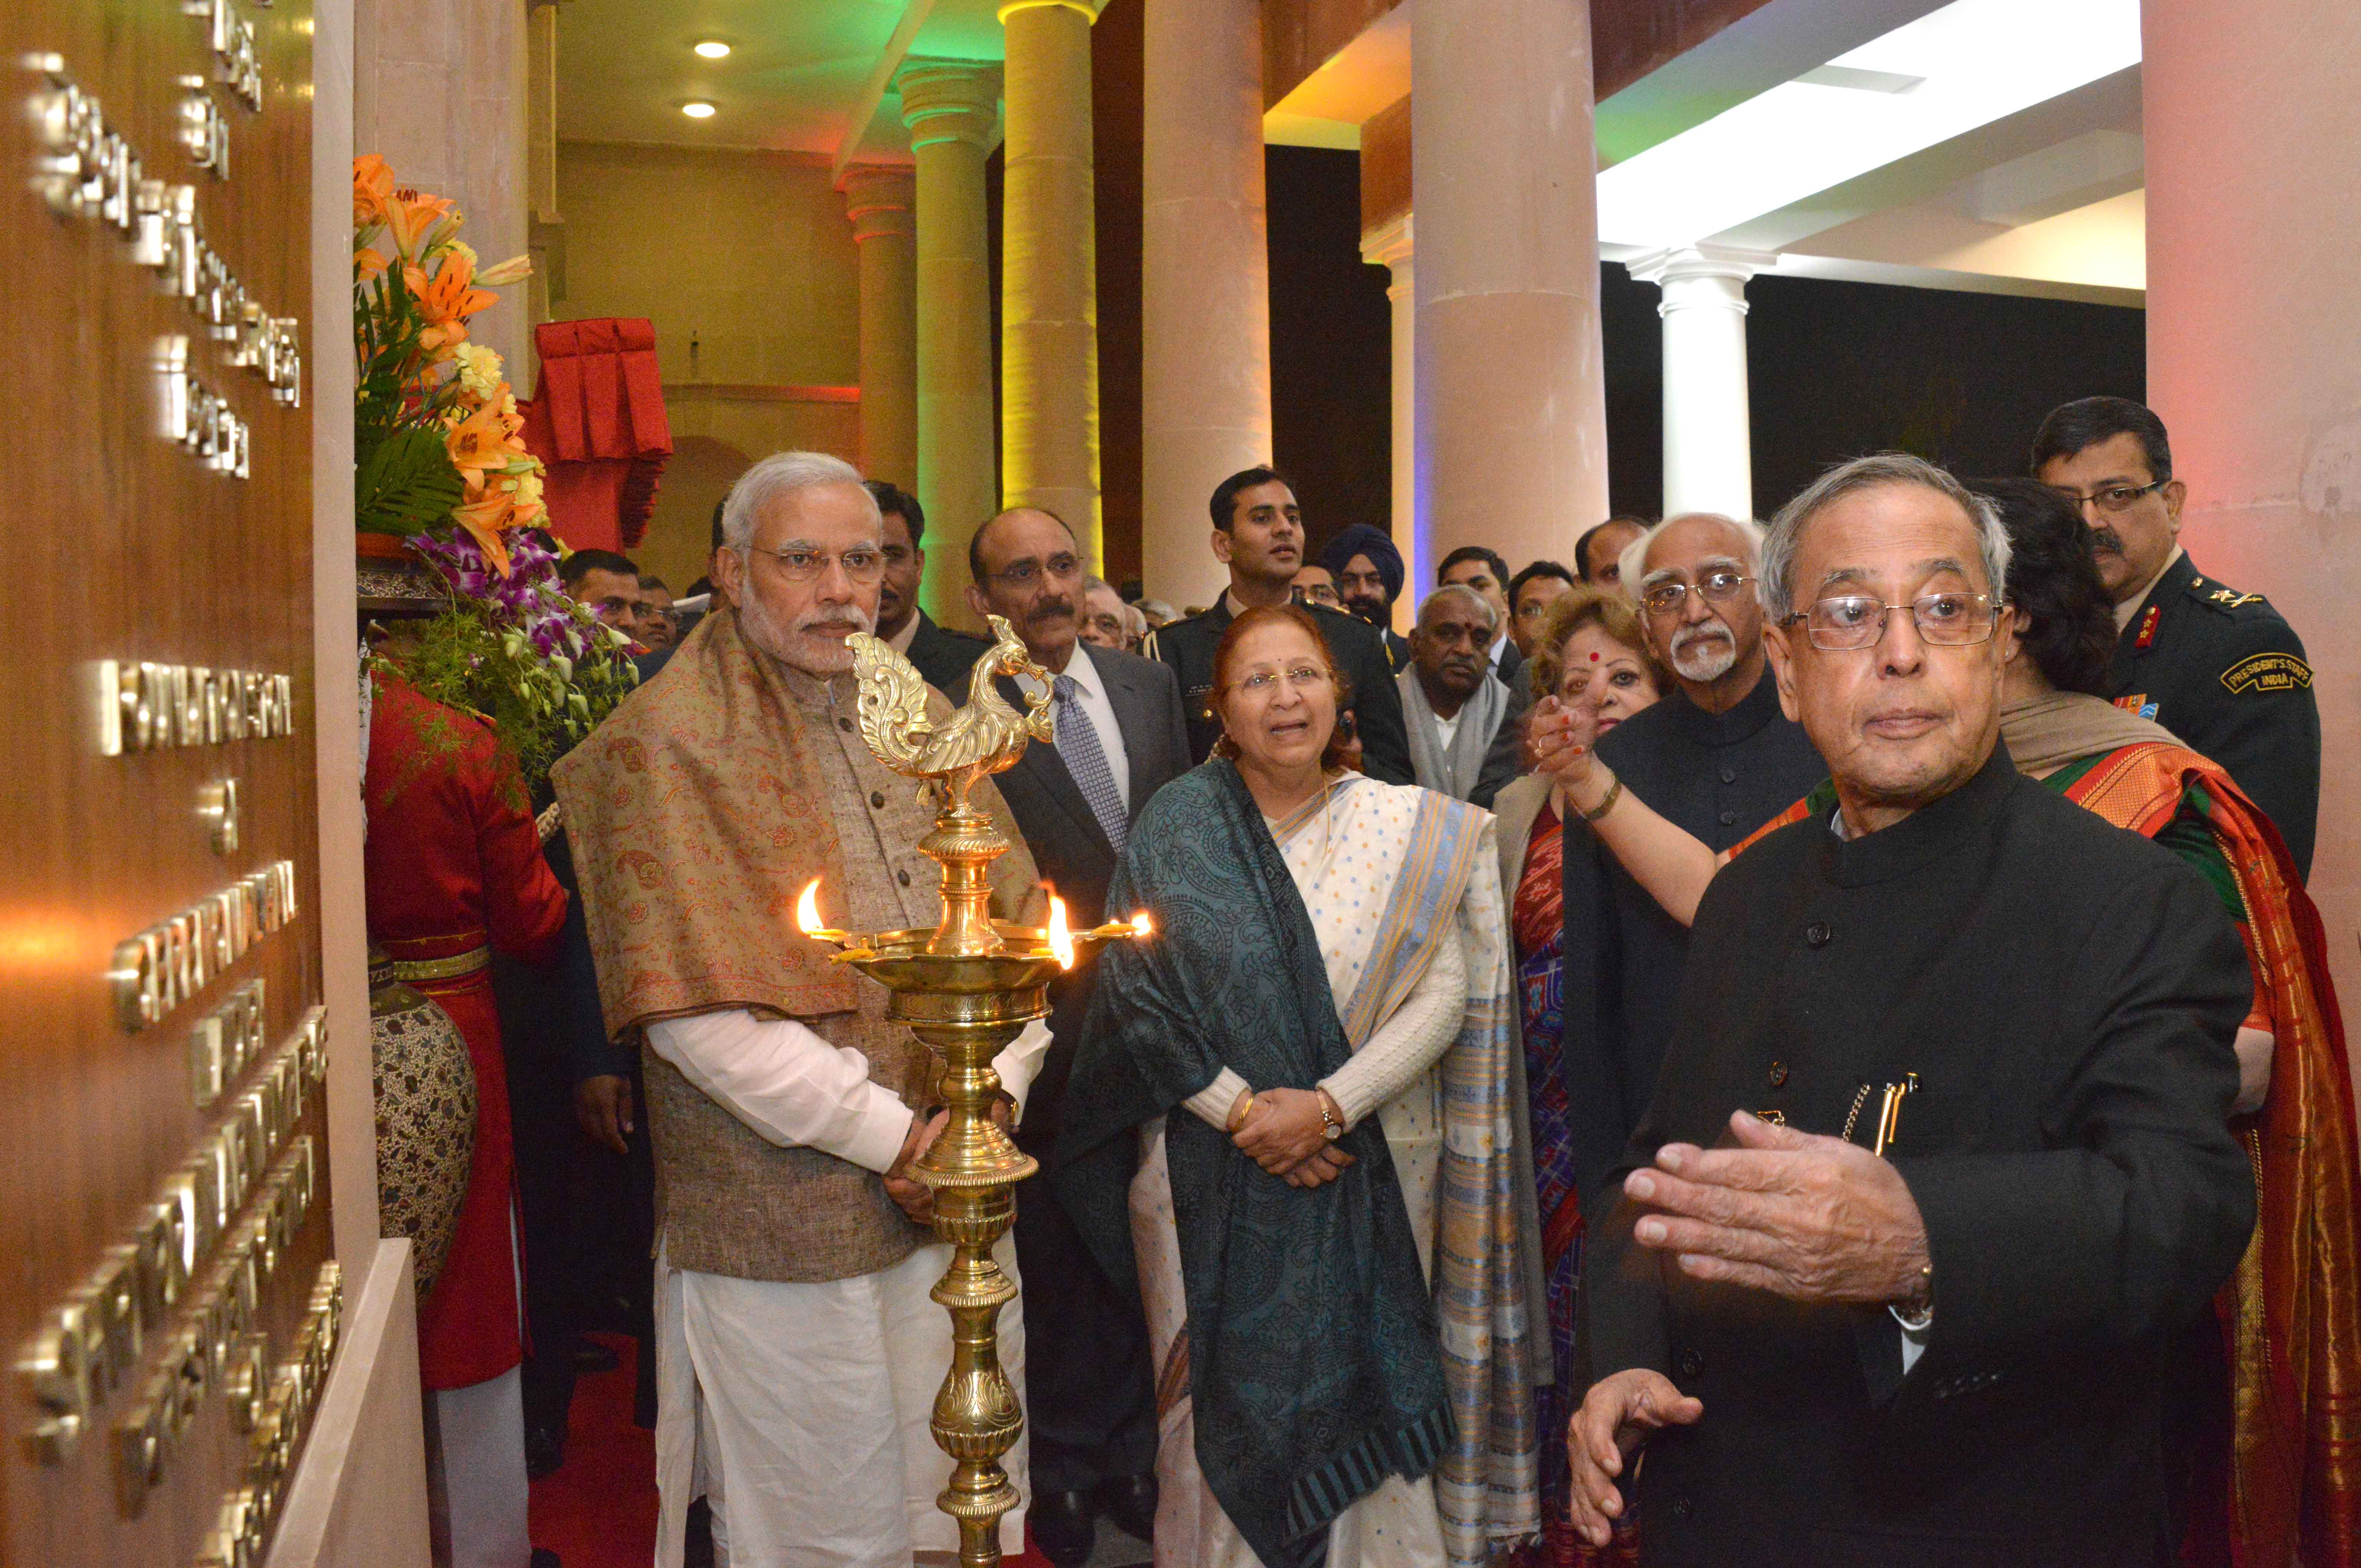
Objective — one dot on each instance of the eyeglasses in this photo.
(1321, 594)
(1849, 622)
(1265, 683)
(1060, 568)
(2114, 498)
(1714, 587)
(862, 564)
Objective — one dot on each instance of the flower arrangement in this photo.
(440, 465)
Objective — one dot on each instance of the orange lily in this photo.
(480, 443)
(372, 189)
(499, 275)
(412, 217)
(450, 295)
(485, 517)
(368, 263)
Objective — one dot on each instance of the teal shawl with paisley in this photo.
(1320, 1361)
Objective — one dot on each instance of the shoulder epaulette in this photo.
(2225, 600)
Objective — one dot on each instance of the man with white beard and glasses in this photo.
(1714, 755)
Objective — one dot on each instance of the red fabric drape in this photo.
(599, 424)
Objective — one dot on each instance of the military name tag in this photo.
(2268, 673)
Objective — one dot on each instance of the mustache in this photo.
(1050, 609)
(1699, 632)
(2104, 538)
(836, 617)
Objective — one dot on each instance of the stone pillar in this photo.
(949, 106)
(2253, 130)
(1511, 406)
(440, 92)
(1709, 444)
(1388, 246)
(545, 227)
(882, 203)
(1049, 271)
(1205, 283)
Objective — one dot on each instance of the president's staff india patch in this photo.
(2267, 673)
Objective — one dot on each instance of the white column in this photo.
(882, 203)
(1388, 246)
(1204, 283)
(1511, 407)
(1049, 273)
(1708, 446)
(949, 106)
(2253, 331)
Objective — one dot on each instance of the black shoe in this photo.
(542, 1557)
(544, 1450)
(1130, 1502)
(591, 1358)
(1064, 1526)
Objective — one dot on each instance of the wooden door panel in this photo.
(138, 553)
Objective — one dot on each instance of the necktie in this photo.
(1079, 748)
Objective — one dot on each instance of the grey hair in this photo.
(1784, 542)
(1635, 554)
(783, 473)
(1491, 616)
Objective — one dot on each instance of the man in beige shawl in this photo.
(797, 1351)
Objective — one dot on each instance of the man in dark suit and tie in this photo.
(1120, 736)
(943, 657)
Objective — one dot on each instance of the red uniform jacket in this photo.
(453, 864)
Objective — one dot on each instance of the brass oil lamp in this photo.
(966, 988)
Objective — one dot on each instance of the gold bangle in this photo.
(1240, 1109)
(1614, 793)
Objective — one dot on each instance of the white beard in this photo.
(816, 657)
(1693, 664)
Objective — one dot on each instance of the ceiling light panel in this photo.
(697, 109)
(1973, 62)
(713, 48)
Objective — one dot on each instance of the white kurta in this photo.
(1341, 860)
(800, 1409)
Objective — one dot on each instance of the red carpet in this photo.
(599, 1510)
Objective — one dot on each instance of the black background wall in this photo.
(1834, 369)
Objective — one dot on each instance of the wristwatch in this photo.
(1331, 1124)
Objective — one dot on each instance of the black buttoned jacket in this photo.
(2067, 994)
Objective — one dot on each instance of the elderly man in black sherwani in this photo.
(1953, 1352)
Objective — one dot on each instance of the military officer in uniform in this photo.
(2219, 668)
(1258, 534)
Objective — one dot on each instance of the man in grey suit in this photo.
(1120, 737)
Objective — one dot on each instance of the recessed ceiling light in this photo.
(713, 48)
(697, 109)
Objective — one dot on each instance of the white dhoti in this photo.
(800, 1411)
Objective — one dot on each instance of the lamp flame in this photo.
(1142, 924)
(807, 908)
(1061, 939)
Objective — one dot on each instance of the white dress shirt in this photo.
(1091, 696)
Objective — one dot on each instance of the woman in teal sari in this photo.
(1292, 1119)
